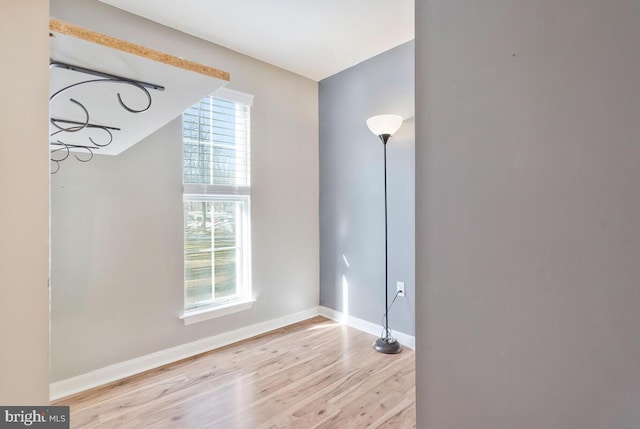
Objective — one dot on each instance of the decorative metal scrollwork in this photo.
(69, 126)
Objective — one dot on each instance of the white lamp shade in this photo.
(384, 124)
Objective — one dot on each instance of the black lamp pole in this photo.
(386, 344)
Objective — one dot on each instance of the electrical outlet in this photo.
(400, 286)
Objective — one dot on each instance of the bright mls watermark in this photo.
(34, 417)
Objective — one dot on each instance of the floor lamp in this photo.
(384, 126)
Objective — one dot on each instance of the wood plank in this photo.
(58, 26)
(316, 373)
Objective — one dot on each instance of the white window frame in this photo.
(243, 299)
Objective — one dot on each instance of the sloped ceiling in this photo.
(98, 102)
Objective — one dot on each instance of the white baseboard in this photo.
(108, 374)
(118, 371)
(362, 325)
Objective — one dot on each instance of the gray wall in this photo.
(352, 193)
(24, 211)
(117, 271)
(528, 202)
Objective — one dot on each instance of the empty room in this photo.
(337, 214)
(219, 234)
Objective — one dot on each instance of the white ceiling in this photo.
(314, 38)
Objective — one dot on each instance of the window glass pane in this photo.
(216, 143)
(225, 262)
(198, 269)
(213, 250)
(225, 247)
(215, 137)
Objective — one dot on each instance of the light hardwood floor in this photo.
(314, 374)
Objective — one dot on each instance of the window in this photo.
(217, 195)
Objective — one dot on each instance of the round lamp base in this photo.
(389, 347)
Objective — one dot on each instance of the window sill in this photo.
(199, 315)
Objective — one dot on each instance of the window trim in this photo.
(233, 95)
(199, 189)
(213, 311)
(243, 300)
